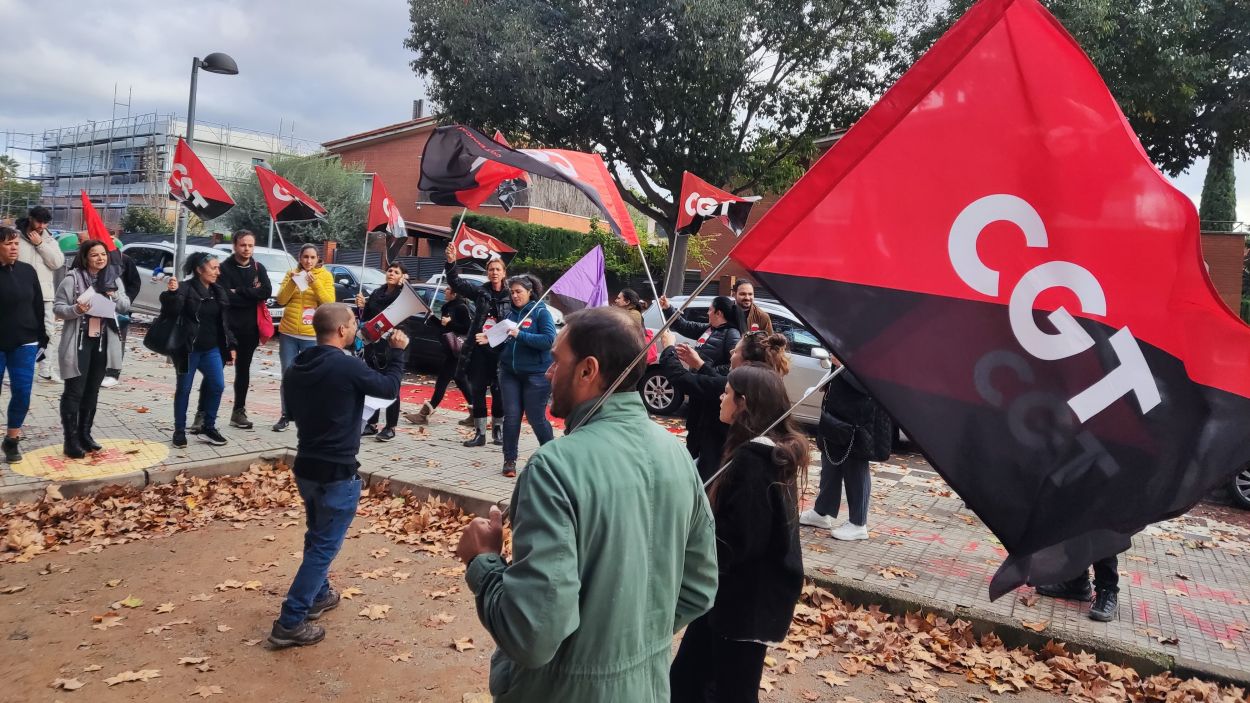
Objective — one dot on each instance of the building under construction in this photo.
(125, 162)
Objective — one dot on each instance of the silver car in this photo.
(809, 361)
(155, 261)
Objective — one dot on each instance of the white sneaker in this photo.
(850, 532)
(811, 518)
(108, 382)
(44, 370)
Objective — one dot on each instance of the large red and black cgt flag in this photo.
(192, 185)
(384, 212)
(286, 202)
(992, 253)
(701, 201)
(455, 156)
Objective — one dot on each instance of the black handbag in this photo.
(164, 336)
(453, 342)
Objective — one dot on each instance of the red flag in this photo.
(383, 212)
(470, 244)
(701, 200)
(192, 185)
(94, 225)
(991, 252)
(286, 202)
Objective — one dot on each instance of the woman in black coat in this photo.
(758, 554)
(206, 342)
(376, 354)
(492, 302)
(456, 319)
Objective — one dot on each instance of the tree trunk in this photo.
(675, 278)
(1218, 209)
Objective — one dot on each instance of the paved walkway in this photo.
(1185, 598)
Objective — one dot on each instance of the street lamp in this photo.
(215, 62)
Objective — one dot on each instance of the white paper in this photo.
(98, 305)
(372, 403)
(300, 280)
(499, 333)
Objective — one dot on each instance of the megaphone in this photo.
(405, 306)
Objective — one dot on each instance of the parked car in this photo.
(425, 347)
(437, 279)
(1239, 488)
(155, 261)
(347, 282)
(809, 361)
(276, 262)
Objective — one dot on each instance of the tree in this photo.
(8, 167)
(339, 188)
(733, 90)
(145, 220)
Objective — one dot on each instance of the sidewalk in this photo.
(1185, 587)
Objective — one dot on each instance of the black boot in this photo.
(479, 439)
(11, 452)
(69, 423)
(1077, 589)
(1106, 602)
(85, 420)
(496, 432)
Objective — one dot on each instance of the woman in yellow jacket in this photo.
(302, 291)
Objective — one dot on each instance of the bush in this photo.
(145, 221)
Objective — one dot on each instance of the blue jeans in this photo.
(288, 348)
(208, 363)
(528, 392)
(20, 363)
(328, 512)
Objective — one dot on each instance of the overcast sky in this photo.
(329, 67)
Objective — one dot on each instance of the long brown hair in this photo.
(761, 398)
(768, 349)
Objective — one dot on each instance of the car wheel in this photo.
(658, 393)
(1241, 488)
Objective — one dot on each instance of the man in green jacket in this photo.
(613, 544)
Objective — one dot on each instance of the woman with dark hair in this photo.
(37, 247)
(759, 557)
(456, 318)
(377, 354)
(632, 303)
(22, 332)
(492, 303)
(90, 343)
(200, 305)
(523, 362)
(303, 290)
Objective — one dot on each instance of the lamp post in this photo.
(215, 62)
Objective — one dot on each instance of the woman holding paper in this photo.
(523, 360)
(303, 290)
(90, 342)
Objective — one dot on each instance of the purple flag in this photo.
(583, 285)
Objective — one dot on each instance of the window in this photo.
(436, 307)
(145, 257)
(257, 161)
(801, 340)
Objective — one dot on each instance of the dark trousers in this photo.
(82, 391)
(854, 473)
(328, 512)
(247, 341)
(526, 393)
(392, 415)
(1106, 575)
(710, 668)
(483, 376)
(123, 326)
(450, 371)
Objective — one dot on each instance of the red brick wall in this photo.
(1223, 254)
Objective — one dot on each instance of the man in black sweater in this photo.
(325, 393)
(22, 334)
(247, 284)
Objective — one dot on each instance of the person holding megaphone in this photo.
(492, 302)
(377, 354)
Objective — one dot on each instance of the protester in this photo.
(492, 303)
(377, 354)
(304, 288)
(325, 389)
(132, 283)
(758, 552)
(247, 288)
(848, 436)
(37, 248)
(756, 319)
(90, 344)
(456, 319)
(523, 362)
(1105, 590)
(612, 539)
(632, 303)
(200, 305)
(22, 331)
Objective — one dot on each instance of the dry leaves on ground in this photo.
(375, 612)
(128, 676)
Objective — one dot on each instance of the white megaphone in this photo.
(405, 306)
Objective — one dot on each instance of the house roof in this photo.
(381, 133)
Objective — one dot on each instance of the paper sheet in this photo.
(100, 305)
(372, 403)
(499, 333)
(300, 280)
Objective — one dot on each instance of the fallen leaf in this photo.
(1029, 600)
(227, 585)
(350, 593)
(206, 691)
(251, 643)
(105, 621)
(130, 602)
(1175, 592)
(92, 667)
(269, 538)
(204, 668)
(224, 628)
(832, 678)
(141, 409)
(401, 657)
(200, 597)
(7, 590)
(375, 612)
(127, 676)
(67, 684)
(1035, 626)
(192, 660)
(464, 644)
(439, 619)
(252, 586)
(113, 583)
(1227, 644)
(165, 608)
(1171, 640)
(232, 559)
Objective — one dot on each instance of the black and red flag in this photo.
(286, 202)
(192, 185)
(383, 212)
(471, 245)
(992, 253)
(700, 201)
(454, 171)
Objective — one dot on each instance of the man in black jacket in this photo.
(325, 393)
(247, 284)
(131, 282)
(22, 333)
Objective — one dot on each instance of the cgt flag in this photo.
(383, 212)
(992, 253)
(286, 202)
(94, 225)
(701, 201)
(454, 156)
(584, 285)
(472, 245)
(194, 187)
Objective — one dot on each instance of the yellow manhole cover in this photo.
(119, 456)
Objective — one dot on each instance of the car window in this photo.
(437, 306)
(694, 313)
(145, 257)
(801, 340)
(275, 263)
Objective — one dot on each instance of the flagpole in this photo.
(527, 315)
(647, 269)
(810, 392)
(270, 245)
(364, 256)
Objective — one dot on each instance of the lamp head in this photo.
(218, 62)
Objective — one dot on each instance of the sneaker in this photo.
(386, 435)
(369, 431)
(11, 452)
(850, 532)
(281, 425)
(509, 469)
(197, 425)
(212, 436)
(238, 419)
(1105, 604)
(43, 369)
(1078, 590)
(108, 382)
(180, 439)
(319, 607)
(301, 635)
(811, 518)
